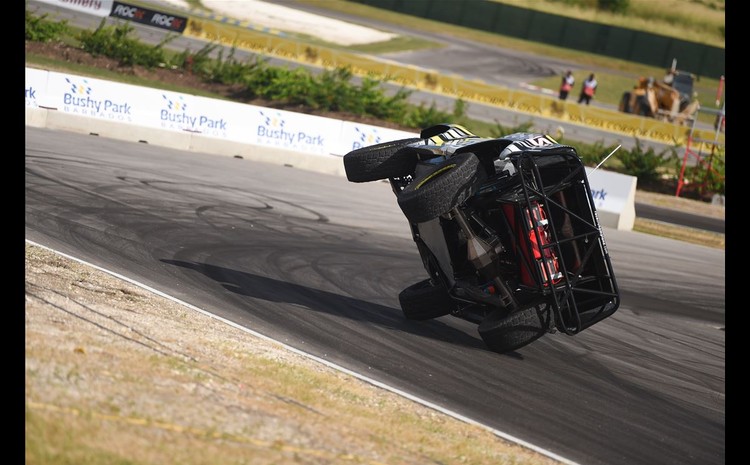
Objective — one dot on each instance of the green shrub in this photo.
(706, 176)
(115, 42)
(368, 99)
(499, 130)
(593, 154)
(292, 86)
(222, 70)
(41, 29)
(333, 91)
(199, 63)
(422, 116)
(646, 165)
(460, 108)
(614, 6)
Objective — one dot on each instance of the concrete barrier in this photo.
(187, 122)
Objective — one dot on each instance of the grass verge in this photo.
(680, 233)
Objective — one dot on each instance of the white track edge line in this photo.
(359, 376)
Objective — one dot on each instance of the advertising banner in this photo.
(356, 135)
(292, 131)
(199, 115)
(613, 192)
(113, 102)
(36, 87)
(92, 98)
(149, 17)
(143, 106)
(93, 7)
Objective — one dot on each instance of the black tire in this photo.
(449, 184)
(625, 103)
(425, 301)
(379, 161)
(503, 333)
(642, 107)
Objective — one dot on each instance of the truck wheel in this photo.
(642, 107)
(380, 161)
(625, 103)
(503, 332)
(449, 184)
(424, 301)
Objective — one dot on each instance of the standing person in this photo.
(588, 90)
(566, 85)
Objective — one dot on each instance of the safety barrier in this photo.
(188, 122)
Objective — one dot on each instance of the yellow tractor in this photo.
(671, 99)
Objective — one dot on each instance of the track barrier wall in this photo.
(187, 122)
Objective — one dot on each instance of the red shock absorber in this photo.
(544, 257)
(534, 251)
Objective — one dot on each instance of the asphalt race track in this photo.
(677, 217)
(317, 262)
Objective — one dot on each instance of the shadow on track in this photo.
(273, 290)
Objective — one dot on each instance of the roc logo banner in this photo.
(149, 17)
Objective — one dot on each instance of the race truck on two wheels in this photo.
(506, 229)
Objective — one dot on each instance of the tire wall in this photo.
(616, 42)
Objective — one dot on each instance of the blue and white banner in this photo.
(107, 101)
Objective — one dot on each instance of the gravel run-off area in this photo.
(116, 373)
